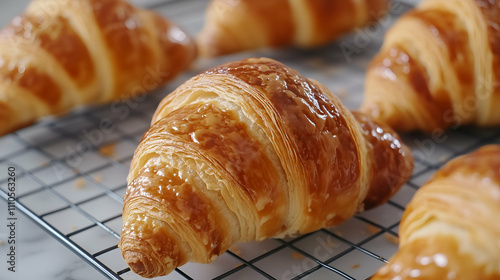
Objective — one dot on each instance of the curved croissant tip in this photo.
(139, 263)
(208, 46)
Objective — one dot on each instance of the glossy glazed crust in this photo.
(445, 72)
(390, 160)
(264, 152)
(448, 230)
(62, 54)
(233, 26)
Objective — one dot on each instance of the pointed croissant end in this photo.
(139, 263)
(167, 221)
(392, 163)
(160, 255)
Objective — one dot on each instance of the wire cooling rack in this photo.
(71, 172)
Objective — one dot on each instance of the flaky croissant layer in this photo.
(444, 72)
(239, 25)
(246, 151)
(450, 230)
(61, 54)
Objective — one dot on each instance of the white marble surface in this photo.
(39, 255)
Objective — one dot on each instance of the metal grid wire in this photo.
(72, 170)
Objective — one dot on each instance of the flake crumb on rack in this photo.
(108, 150)
(391, 238)
(80, 183)
(297, 256)
(98, 178)
(372, 229)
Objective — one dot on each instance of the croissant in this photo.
(233, 26)
(444, 72)
(450, 229)
(250, 150)
(63, 53)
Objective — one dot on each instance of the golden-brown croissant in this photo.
(439, 67)
(63, 53)
(450, 229)
(246, 151)
(232, 26)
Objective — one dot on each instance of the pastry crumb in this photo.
(98, 178)
(372, 229)
(391, 238)
(2, 242)
(355, 266)
(297, 256)
(80, 183)
(73, 227)
(108, 150)
(235, 250)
